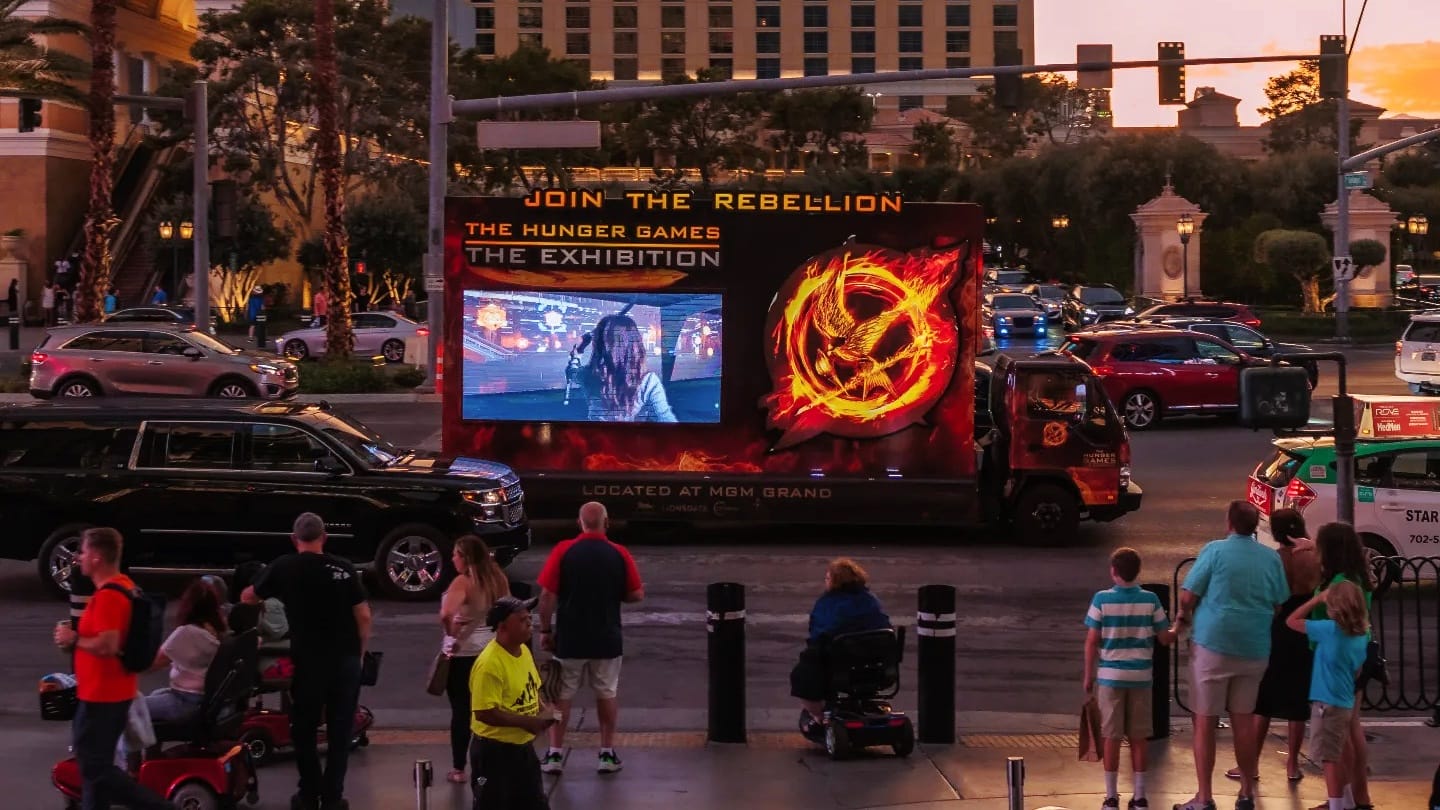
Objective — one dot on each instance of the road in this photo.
(1019, 640)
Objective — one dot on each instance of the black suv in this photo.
(1086, 306)
(204, 486)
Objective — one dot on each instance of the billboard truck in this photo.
(759, 357)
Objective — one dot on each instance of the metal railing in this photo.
(1404, 617)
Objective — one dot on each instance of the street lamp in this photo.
(1185, 226)
(175, 236)
(1060, 222)
(1417, 226)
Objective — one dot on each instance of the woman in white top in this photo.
(479, 582)
(188, 652)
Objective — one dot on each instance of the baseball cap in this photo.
(504, 607)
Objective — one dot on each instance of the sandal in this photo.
(1234, 773)
(458, 777)
(1296, 776)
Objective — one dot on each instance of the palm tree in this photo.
(30, 69)
(100, 219)
(339, 334)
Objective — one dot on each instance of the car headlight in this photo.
(1129, 310)
(1089, 311)
(484, 497)
(1002, 318)
(265, 368)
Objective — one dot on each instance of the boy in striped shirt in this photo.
(1125, 622)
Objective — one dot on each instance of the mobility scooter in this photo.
(207, 769)
(863, 673)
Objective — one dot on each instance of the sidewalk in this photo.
(667, 768)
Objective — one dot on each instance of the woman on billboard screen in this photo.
(619, 386)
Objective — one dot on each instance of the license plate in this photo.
(1427, 357)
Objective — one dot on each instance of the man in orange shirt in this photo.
(103, 685)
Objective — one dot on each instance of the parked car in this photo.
(1417, 354)
(1014, 314)
(1195, 308)
(154, 358)
(1419, 289)
(1247, 340)
(184, 316)
(1154, 373)
(1051, 298)
(204, 487)
(1088, 305)
(376, 333)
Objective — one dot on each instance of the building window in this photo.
(672, 16)
(817, 66)
(912, 63)
(862, 64)
(577, 42)
(485, 18)
(485, 44)
(626, 17)
(627, 69)
(957, 41)
(672, 42)
(817, 42)
(627, 42)
(722, 42)
(577, 17)
(672, 67)
(723, 68)
(862, 16)
(767, 68)
(532, 17)
(1007, 41)
(722, 16)
(1007, 16)
(767, 16)
(767, 41)
(912, 41)
(957, 61)
(530, 39)
(911, 102)
(816, 17)
(957, 15)
(912, 16)
(862, 41)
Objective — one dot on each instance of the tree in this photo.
(1052, 108)
(830, 119)
(388, 233)
(1299, 116)
(703, 133)
(1367, 253)
(31, 69)
(932, 141)
(100, 219)
(339, 334)
(1300, 254)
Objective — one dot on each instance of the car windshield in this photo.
(1012, 302)
(1050, 292)
(209, 343)
(363, 442)
(1078, 348)
(1101, 295)
(1011, 277)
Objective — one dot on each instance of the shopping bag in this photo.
(1091, 746)
(439, 676)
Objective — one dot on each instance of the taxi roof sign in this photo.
(1398, 417)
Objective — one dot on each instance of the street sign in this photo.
(1358, 180)
(434, 284)
(538, 134)
(1344, 268)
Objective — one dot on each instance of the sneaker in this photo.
(1110, 803)
(1195, 804)
(609, 762)
(1245, 803)
(554, 762)
(1138, 804)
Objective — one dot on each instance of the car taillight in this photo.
(423, 331)
(37, 358)
(1297, 495)
(1253, 323)
(1102, 371)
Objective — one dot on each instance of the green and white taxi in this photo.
(1397, 477)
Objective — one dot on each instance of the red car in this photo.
(1154, 373)
(1194, 308)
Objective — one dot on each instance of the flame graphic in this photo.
(862, 342)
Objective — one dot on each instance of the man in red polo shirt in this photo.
(103, 685)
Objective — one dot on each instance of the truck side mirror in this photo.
(1274, 397)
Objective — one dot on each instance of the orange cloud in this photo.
(1399, 77)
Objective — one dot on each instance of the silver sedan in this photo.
(376, 333)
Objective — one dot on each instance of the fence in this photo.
(1404, 617)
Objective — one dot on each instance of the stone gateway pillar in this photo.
(1370, 218)
(1160, 258)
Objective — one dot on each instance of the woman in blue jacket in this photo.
(847, 606)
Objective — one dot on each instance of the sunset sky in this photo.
(1396, 66)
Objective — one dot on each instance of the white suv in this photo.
(1417, 354)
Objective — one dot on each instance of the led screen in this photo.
(591, 357)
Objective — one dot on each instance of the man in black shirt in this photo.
(329, 628)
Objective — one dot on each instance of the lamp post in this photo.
(1185, 226)
(175, 236)
(1417, 226)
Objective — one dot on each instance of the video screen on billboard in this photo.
(591, 357)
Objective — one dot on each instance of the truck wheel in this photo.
(194, 796)
(413, 562)
(1046, 513)
(58, 554)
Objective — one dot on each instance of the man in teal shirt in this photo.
(1232, 592)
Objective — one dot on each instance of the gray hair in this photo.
(309, 528)
(593, 516)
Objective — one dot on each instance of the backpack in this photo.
(146, 631)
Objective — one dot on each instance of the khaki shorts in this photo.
(1224, 684)
(1329, 729)
(602, 674)
(1124, 713)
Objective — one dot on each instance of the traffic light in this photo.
(223, 196)
(1172, 77)
(1007, 86)
(360, 267)
(1274, 397)
(1333, 72)
(29, 114)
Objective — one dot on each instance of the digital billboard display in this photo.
(592, 356)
